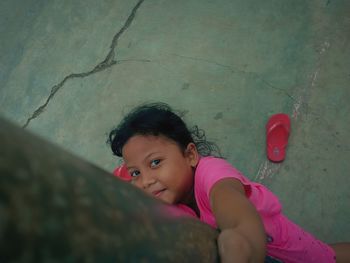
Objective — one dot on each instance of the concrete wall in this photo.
(228, 65)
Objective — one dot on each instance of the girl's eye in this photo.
(155, 163)
(135, 173)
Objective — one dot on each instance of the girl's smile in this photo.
(159, 166)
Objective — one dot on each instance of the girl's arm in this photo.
(242, 237)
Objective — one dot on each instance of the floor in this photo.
(69, 70)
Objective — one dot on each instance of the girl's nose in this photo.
(147, 180)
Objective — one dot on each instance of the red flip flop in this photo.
(122, 173)
(277, 134)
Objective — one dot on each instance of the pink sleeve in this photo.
(211, 170)
(214, 170)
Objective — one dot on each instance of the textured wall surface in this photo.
(69, 70)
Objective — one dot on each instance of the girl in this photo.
(168, 161)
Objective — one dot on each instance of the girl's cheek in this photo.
(136, 182)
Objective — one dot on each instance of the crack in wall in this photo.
(268, 169)
(109, 61)
(240, 71)
(304, 97)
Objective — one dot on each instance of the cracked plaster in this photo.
(255, 59)
(108, 62)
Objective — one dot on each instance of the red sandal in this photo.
(122, 173)
(277, 134)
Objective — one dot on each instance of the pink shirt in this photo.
(285, 240)
(211, 170)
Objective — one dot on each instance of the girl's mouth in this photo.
(158, 192)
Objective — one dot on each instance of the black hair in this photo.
(159, 119)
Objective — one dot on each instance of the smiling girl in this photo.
(176, 165)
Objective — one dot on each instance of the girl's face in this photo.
(159, 167)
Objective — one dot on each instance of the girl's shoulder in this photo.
(212, 169)
(211, 165)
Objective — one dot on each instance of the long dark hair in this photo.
(159, 119)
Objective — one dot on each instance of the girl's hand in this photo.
(242, 237)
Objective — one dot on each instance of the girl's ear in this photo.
(192, 154)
